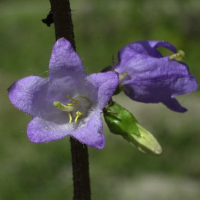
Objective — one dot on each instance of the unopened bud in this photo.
(121, 122)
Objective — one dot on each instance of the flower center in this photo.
(77, 107)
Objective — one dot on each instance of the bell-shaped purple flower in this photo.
(146, 76)
(68, 102)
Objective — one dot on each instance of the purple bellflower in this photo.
(146, 76)
(68, 102)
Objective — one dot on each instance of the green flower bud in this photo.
(121, 122)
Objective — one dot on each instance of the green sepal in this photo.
(121, 122)
(118, 90)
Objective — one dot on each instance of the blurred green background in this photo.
(43, 171)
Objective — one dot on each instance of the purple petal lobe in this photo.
(65, 61)
(106, 83)
(156, 44)
(174, 105)
(92, 134)
(40, 130)
(22, 92)
(146, 48)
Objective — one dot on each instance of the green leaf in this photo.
(121, 122)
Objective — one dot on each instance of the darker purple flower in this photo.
(68, 102)
(146, 76)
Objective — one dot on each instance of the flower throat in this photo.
(80, 105)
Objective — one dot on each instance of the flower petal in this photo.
(155, 44)
(40, 130)
(144, 48)
(92, 133)
(163, 90)
(22, 92)
(35, 95)
(174, 105)
(106, 84)
(65, 61)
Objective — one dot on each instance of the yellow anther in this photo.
(70, 117)
(78, 114)
(74, 101)
(72, 108)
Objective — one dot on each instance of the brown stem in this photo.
(80, 170)
(63, 20)
(64, 28)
